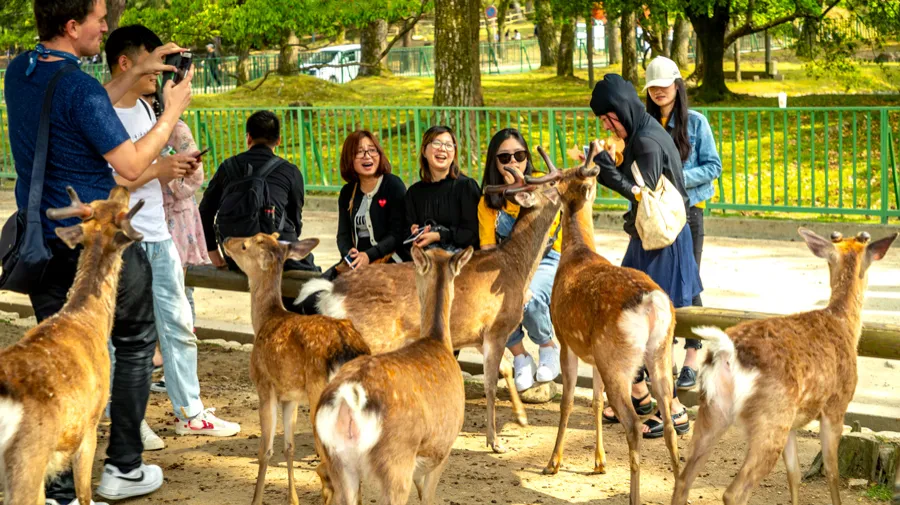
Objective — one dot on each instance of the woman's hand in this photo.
(427, 239)
(359, 259)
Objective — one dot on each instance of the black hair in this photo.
(51, 16)
(492, 175)
(264, 125)
(128, 41)
(679, 116)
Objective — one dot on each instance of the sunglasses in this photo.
(505, 158)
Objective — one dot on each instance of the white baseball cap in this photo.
(661, 72)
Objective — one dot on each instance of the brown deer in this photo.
(611, 317)
(490, 295)
(54, 382)
(776, 375)
(396, 415)
(293, 355)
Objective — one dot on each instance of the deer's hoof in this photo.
(552, 469)
(599, 469)
(522, 419)
(498, 448)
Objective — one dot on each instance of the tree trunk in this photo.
(372, 41)
(341, 36)
(681, 38)
(407, 37)
(589, 29)
(242, 69)
(614, 36)
(629, 49)
(565, 63)
(114, 10)
(287, 60)
(737, 60)
(710, 32)
(502, 9)
(457, 73)
(546, 32)
(768, 37)
(806, 44)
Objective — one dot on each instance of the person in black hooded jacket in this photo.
(674, 268)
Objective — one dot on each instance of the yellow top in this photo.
(487, 224)
(700, 205)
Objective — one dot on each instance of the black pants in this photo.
(134, 337)
(695, 221)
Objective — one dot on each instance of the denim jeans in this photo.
(174, 324)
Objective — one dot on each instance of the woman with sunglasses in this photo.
(442, 208)
(371, 210)
(496, 217)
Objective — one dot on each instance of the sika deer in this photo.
(293, 356)
(54, 382)
(396, 415)
(490, 295)
(776, 375)
(611, 317)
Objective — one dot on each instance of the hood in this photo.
(615, 94)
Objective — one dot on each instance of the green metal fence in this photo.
(840, 161)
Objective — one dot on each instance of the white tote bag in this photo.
(660, 212)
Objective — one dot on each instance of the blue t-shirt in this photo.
(83, 127)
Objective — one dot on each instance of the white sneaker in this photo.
(151, 440)
(206, 423)
(548, 368)
(524, 371)
(51, 501)
(115, 485)
(158, 386)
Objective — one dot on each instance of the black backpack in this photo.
(246, 207)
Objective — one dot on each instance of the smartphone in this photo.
(201, 153)
(414, 236)
(182, 62)
(349, 261)
(587, 151)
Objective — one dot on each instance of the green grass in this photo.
(881, 492)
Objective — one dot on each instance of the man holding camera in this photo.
(86, 138)
(126, 47)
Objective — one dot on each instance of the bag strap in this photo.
(231, 167)
(147, 109)
(269, 166)
(636, 173)
(39, 167)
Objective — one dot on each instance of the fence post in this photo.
(551, 123)
(885, 155)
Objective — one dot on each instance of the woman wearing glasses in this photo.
(370, 207)
(442, 208)
(496, 217)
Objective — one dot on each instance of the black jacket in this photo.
(451, 204)
(647, 143)
(387, 214)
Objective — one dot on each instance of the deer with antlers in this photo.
(293, 355)
(489, 295)
(58, 372)
(611, 317)
(396, 415)
(776, 375)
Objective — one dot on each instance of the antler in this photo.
(553, 174)
(583, 170)
(75, 209)
(509, 189)
(123, 221)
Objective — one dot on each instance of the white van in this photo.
(334, 55)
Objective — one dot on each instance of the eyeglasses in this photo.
(437, 144)
(372, 152)
(505, 158)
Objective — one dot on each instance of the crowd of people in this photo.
(128, 132)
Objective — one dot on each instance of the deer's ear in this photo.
(421, 259)
(819, 246)
(524, 199)
(459, 260)
(299, 250)
(876, 250)
(120, 194)
(71, 235)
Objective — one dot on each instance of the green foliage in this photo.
(17, 28)
(362, 12)
(186, 22)
(881, 492)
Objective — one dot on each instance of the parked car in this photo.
(334, 55)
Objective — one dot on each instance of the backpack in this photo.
(246, 207)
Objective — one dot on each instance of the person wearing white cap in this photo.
(667, 103)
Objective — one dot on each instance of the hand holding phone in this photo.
(182, 62)
(201, 153)
(349, 261)
(412, 238)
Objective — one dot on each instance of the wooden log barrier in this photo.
(210, 277)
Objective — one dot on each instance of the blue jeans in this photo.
(537, 311)
(174, 325)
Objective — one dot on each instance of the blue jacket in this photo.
(703, 166)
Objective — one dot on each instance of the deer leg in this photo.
(767, 438)
(493, 354)
(395, 479)
(792, 464)
(323, 470)
(429, 490)
(267, 408)
(506, 371)
(711, 423)
(289, 420)
(345, 482)
(830, 431)
(662, 387)
(597, 406)
(82, 464)
(24, 472)
(619, 395)
(569, 363)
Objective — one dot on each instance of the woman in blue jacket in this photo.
(667, 103)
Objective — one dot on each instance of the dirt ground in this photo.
(206, 471)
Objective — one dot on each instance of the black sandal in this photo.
(656, 427)
(642, 410)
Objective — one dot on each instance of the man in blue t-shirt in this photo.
(86, 137)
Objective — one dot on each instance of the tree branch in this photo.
(832, 6)
(747, 28)
(408, 25)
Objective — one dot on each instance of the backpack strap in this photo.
(269, 166)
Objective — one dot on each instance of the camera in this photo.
(180, 61)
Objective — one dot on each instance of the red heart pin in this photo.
(382, 202)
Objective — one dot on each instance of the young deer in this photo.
(776, 375)
(54, 382)
(611, 317)
(490, 295)
(396, 415)
(293, 356)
